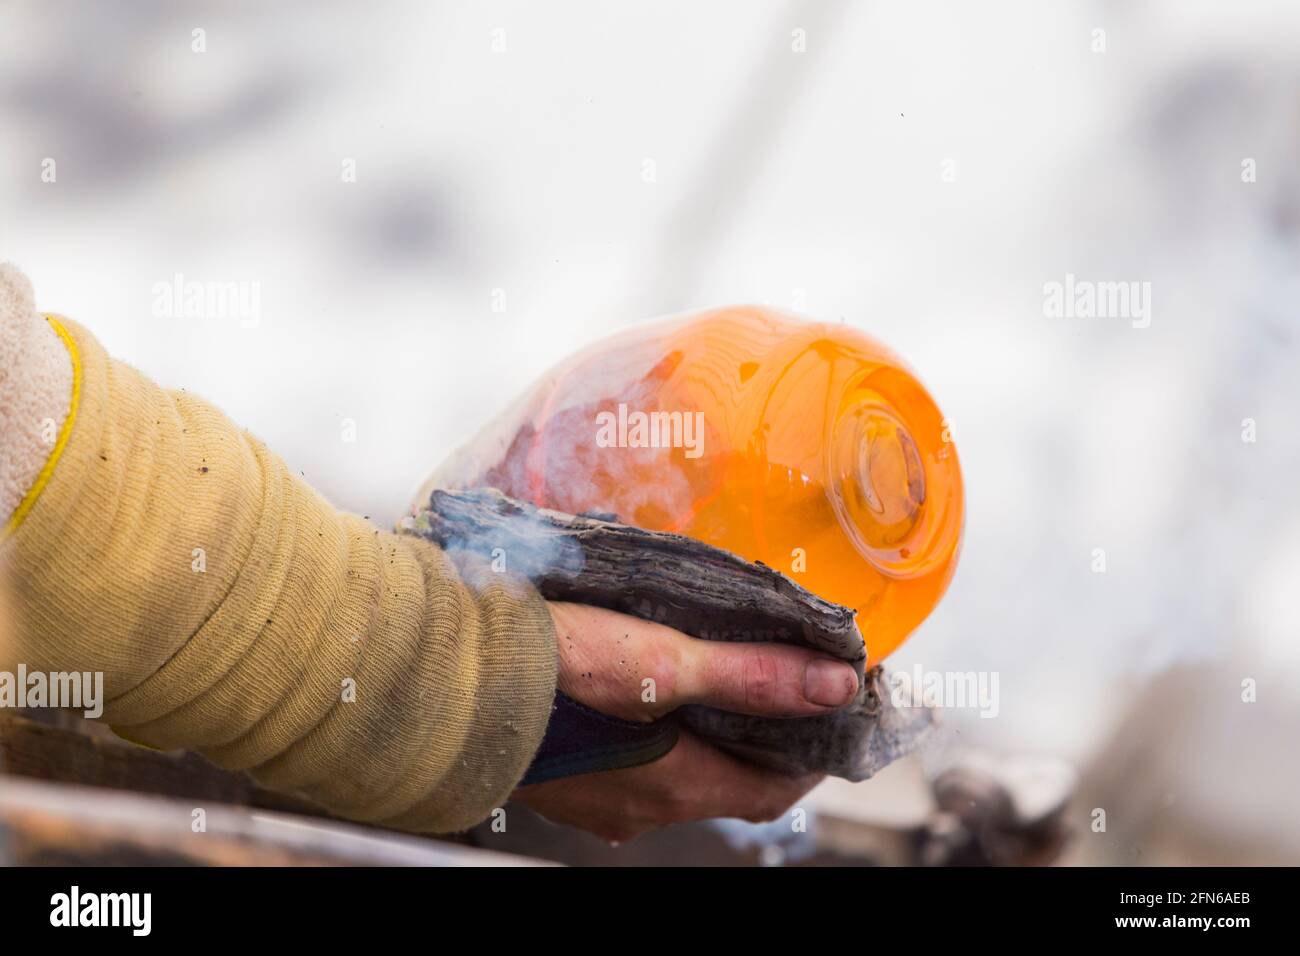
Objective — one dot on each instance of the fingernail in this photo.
(829, 683)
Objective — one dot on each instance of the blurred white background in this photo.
(505, 146)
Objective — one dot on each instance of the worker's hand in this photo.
(637, 670)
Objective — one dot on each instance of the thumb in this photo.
(766, 680)
(639, 670)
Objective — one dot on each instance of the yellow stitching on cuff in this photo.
(42, 479)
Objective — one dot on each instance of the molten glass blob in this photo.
(809, 447)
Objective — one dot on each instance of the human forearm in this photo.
(233, 610)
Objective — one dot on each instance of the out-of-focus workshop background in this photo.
(430, 203)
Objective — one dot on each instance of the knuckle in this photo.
(760, 675)
(662, 665)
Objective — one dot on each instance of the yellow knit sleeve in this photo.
(233, 611)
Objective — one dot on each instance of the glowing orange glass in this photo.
(809, 447)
